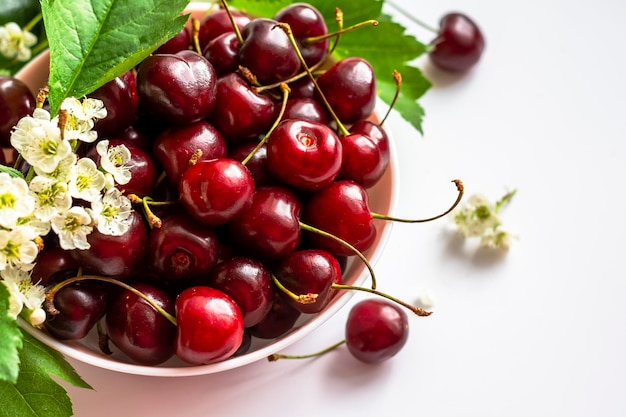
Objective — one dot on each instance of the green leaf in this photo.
(36, 393)
(94, 41)
(11, 171)
(10, 341)
(387, 47)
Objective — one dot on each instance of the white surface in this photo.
(538, 332)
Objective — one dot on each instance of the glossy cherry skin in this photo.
(80, 306)
(217, 23)
(269, 229)
(377, 134)
(52, 261)
(304, 154)
(267, 52)
(115, 256)
(142, 168)
(216, 191)
(350, 88)
(376, 330)
(182, 248)
(138, 329)
(16, 101)
(257, 164)
(242, 114)
(306, 22)
(249, 283)
(309, 271)
(459, 44)
(362, 160)
(305, 108)
(223, 53)
(120, 99)
(180, 42)
(341, 209)
(281, 318)
(210, 325)
(175, 147)
(177, 88)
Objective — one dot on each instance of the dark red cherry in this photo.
(178, 147)
(306, 22)
(80, 306)
(138, 329)
(350, 88)
(242, 114)
(341, 209)
(362, 160)
(120, 99)
(176, 88)
(267, 52)
(269, 229)
(223, 53)
(303, 154)
(217, 23)
(16, 101)
(376, 330)
(459, 44)
(309, 271)
(281, 318)
(210, 325)
(249, 283)
(306, 109)
(52, 261)
(115, 256)
(216, 191)
(181, 248)
(377, 134)
(257, 164)
(141, 165)
(180, 42)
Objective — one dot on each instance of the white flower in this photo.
(38, 140)
(111, 213)
(15, 43)
(32, 227)
(89, 109)
(50, 197)
(114, 160)
(15, 200)
(63, 171)
(72, 227)
(24, 295)
(17, 250)
(86, 180)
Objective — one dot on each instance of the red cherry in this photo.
(210, 325)
(376, 330)
(459, 44)
(217, 191)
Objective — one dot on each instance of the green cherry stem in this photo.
(276, 356)
(308, 298)
(342, 31)
(460, 188)
(339, 240)
(397, 77)
(411, 17)
(54, 289)
(232, 22)
(417, 310)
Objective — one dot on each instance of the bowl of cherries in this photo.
(262, 182)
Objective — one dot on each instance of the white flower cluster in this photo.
(478, 217)
(15, 43)
(63, 193)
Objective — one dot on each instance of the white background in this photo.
(537, 332)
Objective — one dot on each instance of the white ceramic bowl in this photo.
(383, 198)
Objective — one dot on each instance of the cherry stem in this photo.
(339, 240)
(232, 22)
(261, 88)
(195, 37)
(342, 31)
(308, 298)
(285, 89)
(289, 32)
(397, 77)
(411, 17)
(276, 356)
(339, 20)
(53, 290)
(153, 220)
(417, 310)
(460, 189)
